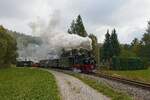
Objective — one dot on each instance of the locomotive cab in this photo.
(84, 64)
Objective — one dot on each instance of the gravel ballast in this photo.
(135, 92)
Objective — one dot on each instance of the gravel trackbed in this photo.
(72, 88)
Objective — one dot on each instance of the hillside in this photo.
(26, 44)
(24, 40)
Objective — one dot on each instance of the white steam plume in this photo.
(53, 41)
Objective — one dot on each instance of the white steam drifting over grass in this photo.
(53, 41)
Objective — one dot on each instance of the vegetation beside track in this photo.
(138, 75)
(101, 87)
(27, 84)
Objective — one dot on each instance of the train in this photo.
(24, 63)
(78, 63)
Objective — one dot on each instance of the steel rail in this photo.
(125, 81)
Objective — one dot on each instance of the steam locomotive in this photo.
(78, 63)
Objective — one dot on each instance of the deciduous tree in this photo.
(8, 48)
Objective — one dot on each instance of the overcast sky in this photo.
(129, 17)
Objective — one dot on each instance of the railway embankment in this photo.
(137, 93)
(137, 75)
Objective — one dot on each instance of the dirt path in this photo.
(72, 88)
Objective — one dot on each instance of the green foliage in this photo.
(136, 46)
(95, 47)
(127, 53)
(146, 36)
(139, 48)
(72, 29)
(115, 44)
(146, 39)
(126, 47)
(8, 48)
(137, 75)
(144, 51)
(77, 27)
(119, 63)
(107, 48)
(111, 46)
(135, 42)
(27, 84)
(145, 54)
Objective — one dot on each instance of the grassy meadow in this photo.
(138, 75)
(27, 84)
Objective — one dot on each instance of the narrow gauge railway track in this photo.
(137, 84)
(142, 85)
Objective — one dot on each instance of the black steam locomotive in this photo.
(78, 62)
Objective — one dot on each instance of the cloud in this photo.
(129, 17)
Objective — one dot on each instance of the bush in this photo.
(8, 49)
(119, 63)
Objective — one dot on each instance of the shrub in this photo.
(119, 63)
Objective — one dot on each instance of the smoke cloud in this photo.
(53, 41)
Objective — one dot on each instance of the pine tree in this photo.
(77, 27)
(80, 29)
(72, 29)
(115, 44)
(107, 48)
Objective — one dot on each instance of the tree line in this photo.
(8, 48)
(112, 47)
(140, 47)
(136, 49)
(109, 49)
